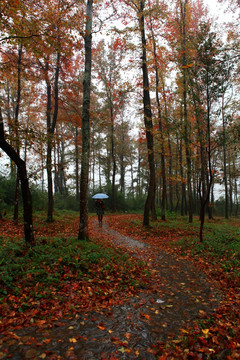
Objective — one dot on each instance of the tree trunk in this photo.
(83, 223)
(150, 201)
(187, 131)
(19, 70)
(26, 195)
(50, 132)
(77, 164)
(225, 161)
(114, 166)
(163, 168)
(49, 157)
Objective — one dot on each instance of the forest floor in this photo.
(185, 310)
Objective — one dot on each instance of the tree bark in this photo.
(150, 201)
(19, 71)
(51, 125)
(225, 161)
(163, 168)
(83, 224)
(77, 164)
(113, 161)
(26, 195)
(185, 113)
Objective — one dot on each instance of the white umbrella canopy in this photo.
(100, 196)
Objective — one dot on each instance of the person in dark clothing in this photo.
(100, 210)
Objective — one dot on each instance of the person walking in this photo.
(100, 210)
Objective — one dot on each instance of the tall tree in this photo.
(158, 68)
(108, 65)
(207, 90)
(150, 201)
(26, 195)
(183, 24)
(83, 224)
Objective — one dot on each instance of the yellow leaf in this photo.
(72, 340)
(122, 350)
(43, 356)
(205, 331)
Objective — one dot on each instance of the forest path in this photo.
(131, 330)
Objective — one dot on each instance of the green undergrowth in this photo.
(53, 262)
(220, 245)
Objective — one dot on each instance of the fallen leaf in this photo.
(101, 327)
(72, 340)
(43, 356)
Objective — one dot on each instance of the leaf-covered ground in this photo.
(64, 279)
(60, 276)
(216, 336)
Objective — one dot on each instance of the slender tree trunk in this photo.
(122, 166)
(122, 174)
(11, 129)
(19, 71)
(185, 112)
(236, 197)
(93, 163)
(114, 166)
(50, 132)
(225, 161)
(42, 170)
(77, 163)
(49, 157)
(99, 171)
(83, 223)
(210, 178)
(170, 173)
(150, 201)
(26, 195)
(163, 168)
(230, 191)
(183, 186)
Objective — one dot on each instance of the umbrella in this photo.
(100, 196)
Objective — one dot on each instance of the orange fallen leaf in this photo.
(101, 327)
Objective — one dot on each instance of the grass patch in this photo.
(54, 262)
(221, 244)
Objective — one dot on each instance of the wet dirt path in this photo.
(127, 331)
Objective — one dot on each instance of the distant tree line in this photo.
(151, 114)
